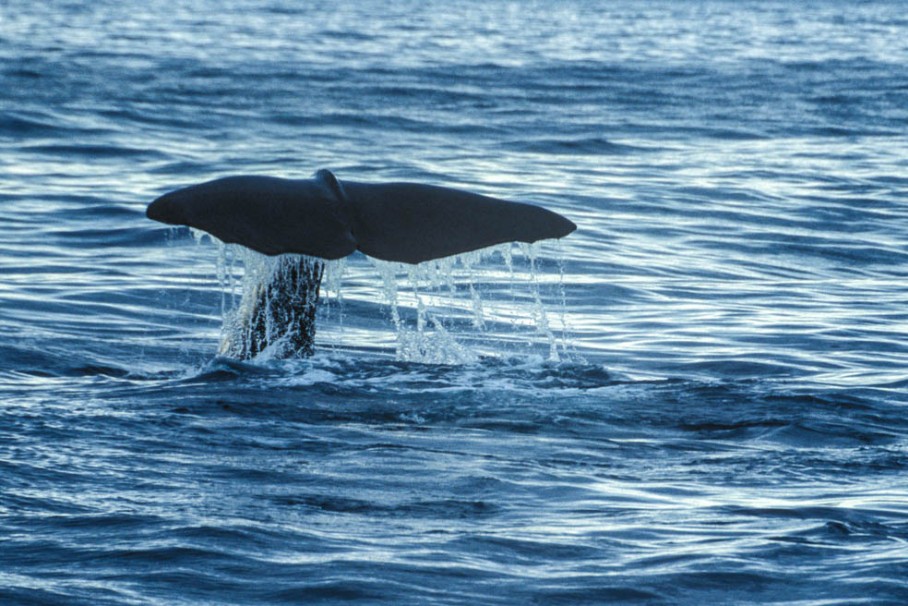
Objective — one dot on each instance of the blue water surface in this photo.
(701, 396)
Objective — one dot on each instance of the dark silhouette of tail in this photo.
(327, 218)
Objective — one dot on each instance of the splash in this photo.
(445, 311)
(275, 315)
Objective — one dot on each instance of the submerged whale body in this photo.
(325, 218)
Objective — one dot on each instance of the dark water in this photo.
(698, 397)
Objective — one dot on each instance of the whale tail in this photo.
(327, 218)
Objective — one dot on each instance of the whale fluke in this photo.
(327, 218)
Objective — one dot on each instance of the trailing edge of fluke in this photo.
(324, 217)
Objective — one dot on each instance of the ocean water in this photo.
(701, 396)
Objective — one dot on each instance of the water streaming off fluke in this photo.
(273, 307)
